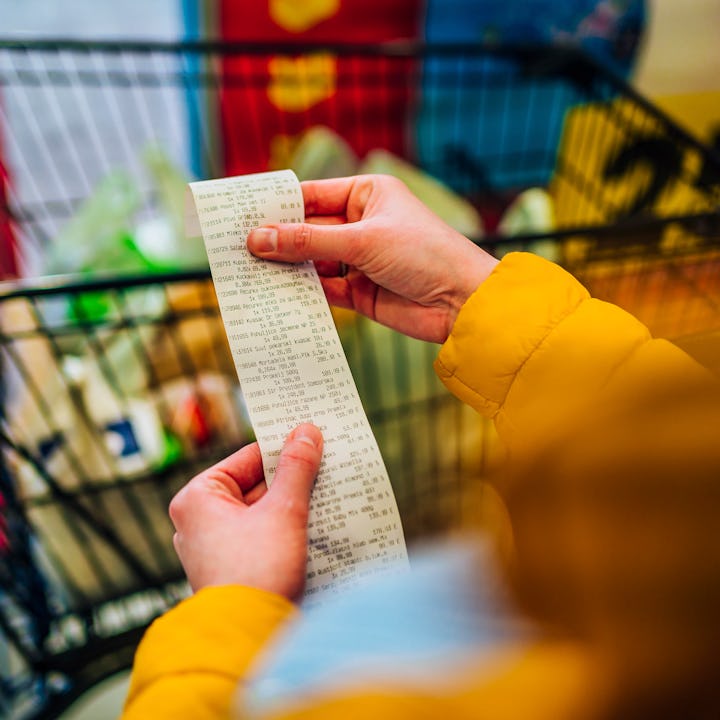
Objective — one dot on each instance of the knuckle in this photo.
(180, 503)
(300, 456)
(394, 184)
(177, 507)
(299, 461)
(385, 181)
(302, 238)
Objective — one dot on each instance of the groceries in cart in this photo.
(94, 416)
(322, 153)
(93, 404)
(103, 400)
(92, 430)
(114, 231)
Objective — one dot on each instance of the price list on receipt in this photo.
(292, 369)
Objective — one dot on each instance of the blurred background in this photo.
(117, 380)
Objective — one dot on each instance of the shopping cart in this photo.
(119, 383)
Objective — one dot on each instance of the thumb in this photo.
(297, 242)
(296, 471)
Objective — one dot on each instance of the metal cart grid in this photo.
(84, 525)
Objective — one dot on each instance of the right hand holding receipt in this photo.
(407, 268)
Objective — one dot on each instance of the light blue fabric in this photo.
(403, 628)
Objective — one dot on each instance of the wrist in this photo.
(475, 272)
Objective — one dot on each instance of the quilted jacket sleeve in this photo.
(531, 349)
(191, 659)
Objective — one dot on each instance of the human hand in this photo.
(231, 529)
(407, 268)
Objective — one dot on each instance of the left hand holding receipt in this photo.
(233, 530)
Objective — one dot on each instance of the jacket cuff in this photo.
(218, 631)
(501, 325)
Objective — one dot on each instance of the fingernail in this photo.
(304, 435)
(263, 240)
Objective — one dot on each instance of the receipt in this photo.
(292, 369)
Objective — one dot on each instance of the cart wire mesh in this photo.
(118, 383)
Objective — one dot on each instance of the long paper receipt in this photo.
(292, 369)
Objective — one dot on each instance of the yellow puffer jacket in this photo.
(530, 349)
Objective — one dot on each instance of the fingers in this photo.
(297, 242)
(328, 197)
(332, 207)
(296, 471)
(352, 292)
(326, 268)
(240, 477)
(326, 219)
(237, 474)
(242, 470)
